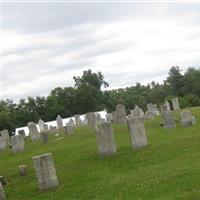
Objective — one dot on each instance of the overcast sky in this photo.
(46, 44)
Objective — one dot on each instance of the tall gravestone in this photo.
(105, 139)
(59, 122)
(91, 119)
(45, 171)
(3, 144)
(17, 142)
(78, 120)
(186, 118)
(168, 120)
(2, 193)
(5, 136)
(137, 132)
(175, 104)
(120, 113)
(41, 125)
(34, 133)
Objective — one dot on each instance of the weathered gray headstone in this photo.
(193, 120)
(186, 118)
(71, 122)
(3, 144)
(78, 120)
(121, 114)
(59, 122)
(45, 171)
(45, 137)
(17, 142)
(35, 135)
(22, 170)
(167, 104)
(22, 132)
(46, 129)
(92, 119)
(149, 115)
(109, 117)
(175, 104)
(105, 139)
(41, 125)
(168, 120)
(53, 129)
(2, 193)
(69, 129)
(5, 136)
(137, 132)
(137, 112)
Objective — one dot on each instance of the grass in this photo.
(167, 169)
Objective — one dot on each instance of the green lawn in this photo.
(168, 168)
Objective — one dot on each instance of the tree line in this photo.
(87, 96)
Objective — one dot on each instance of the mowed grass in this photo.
(168, 168)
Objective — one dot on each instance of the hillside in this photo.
(168, 169)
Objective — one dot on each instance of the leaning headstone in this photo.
(35, 135)
(59, 122)
(45, 171)
(22, 170)
(78, 120)
(175, 104)
(92, 119)
(5, 135)
(22, 132)
(121, 114)
(69, 129)
(186, 118)
(168, 120)
(105, 139)
(3, 144)
(41, 125)
(137, 132)
(17, 142)
(2, 193)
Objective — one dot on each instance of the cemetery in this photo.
(113, 156)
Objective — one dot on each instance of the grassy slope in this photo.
(169, 168)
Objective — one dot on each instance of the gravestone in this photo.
(69, 129)
(105, 139)
(149, 115)
(152, 108)
(2, 193)
(91, 119)
(193, 120)
(167, 104)
(85, 122)
(17, 142)
(45, 171)
(5, 136)
(59, 122)
(109, 117)
(175, 104)
(35, 135)
(53, 129)
(137, 132)
(41, 125)
(71, 122)
(78, 120)
(45, 137)
(22, 132)
(3, 144)
(186, 118)
(46, 129)
(137, 112)
(168, 120)
(120, 114)
(22, 170)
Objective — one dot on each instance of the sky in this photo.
(45, 44)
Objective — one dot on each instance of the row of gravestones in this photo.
(44, 166)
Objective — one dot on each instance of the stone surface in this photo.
(35, 135)
(3, 144)
(137, 112)
(22, 132)
(186, 118)
(53, 129)
(46, 128)
(45, 137)
(71, 122)
(22, 170)
(105, 139)
(41, 125)
(17, 142)
(91, 119)
(45, 171)
(59, 122)
(168, 120)
(175, 104)
(119, 115)
(109, 117)
(5, 136)
(2, 193)
(167, 104)
(193, 120)
(78, 120)
(137, 132)
(69, 129)
(149, 115)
